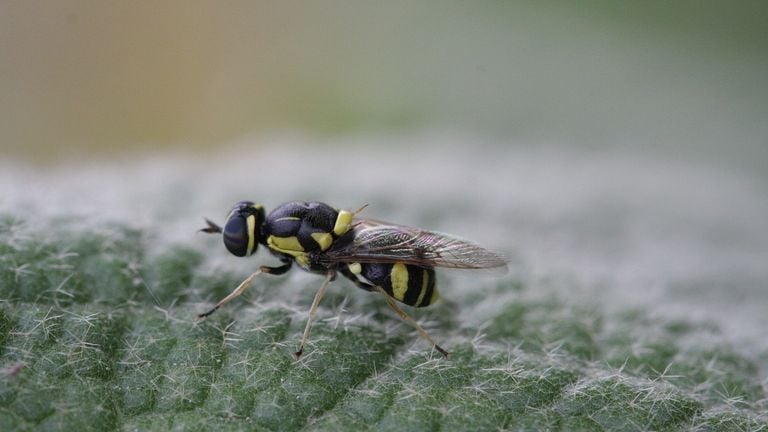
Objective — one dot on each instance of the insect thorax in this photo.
(300, 229)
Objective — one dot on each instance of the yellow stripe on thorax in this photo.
(323, 239)
(289, 218)
(399, 277)
(285, 244)
(343, 222)
(302, 260)
(289, 246)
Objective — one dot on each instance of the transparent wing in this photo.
(381, 242)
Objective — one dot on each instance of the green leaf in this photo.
(98, 332)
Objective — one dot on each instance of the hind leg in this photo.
(392, 304)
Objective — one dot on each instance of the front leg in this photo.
(246, 283)
(277, 270)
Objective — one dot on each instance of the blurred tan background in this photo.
(687, 78)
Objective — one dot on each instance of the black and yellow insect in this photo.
(396, 260)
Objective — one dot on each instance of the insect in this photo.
(394, 260)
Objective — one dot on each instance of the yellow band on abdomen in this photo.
(399, 277)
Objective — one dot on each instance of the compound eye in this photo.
(236, 235)
(242, 228)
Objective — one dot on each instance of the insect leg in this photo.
(409, 320)
(312, 311)
(277, 270)
(245, 284)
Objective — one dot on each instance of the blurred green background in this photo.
(684, 78)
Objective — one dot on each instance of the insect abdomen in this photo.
(409, 284)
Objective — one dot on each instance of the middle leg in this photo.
(313, 311)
